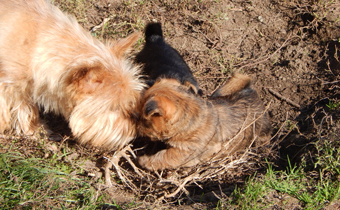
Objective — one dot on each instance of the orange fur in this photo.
(236, 83)
(47, 59)
(196, 130)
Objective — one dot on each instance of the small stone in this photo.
(260, 19)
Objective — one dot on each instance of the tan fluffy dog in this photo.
(47, 59)
(196, 130)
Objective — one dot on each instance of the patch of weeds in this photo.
(29, 182)
(75, 7)
(313, 193)
(133, 204)
(328, 158)
(290, 125)
(226, 66)
(251, 196)
(326, 191)
(24, 181)
(332, 105)
(292, 181)
(116, 205)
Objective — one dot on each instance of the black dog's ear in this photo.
(151, 109)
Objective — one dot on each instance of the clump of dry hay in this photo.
(170, 183)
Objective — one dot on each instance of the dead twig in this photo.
(252, 63)
(181, 187)
(95, 28)
(114, 161)
(278, 95)
(2, 136)
(328, 83)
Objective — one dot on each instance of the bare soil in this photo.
(290, 48)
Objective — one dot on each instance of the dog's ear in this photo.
(123, 46)
(151, 109)
(89, 79)
(193, 89)
(159, 106)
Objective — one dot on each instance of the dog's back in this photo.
(160, 60)
(240, 108)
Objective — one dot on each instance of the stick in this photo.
(95, 28)
(269, 56)
(278, 95)
(185, 181)
(114, 161)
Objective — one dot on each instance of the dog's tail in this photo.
(235, 84)
(153, 32)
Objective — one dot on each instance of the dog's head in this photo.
(105, 89)
(106, 73)
(167, 109)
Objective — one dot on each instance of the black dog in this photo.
(160, 60)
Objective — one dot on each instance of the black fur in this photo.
(160, 60)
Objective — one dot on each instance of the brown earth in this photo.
(289, 47)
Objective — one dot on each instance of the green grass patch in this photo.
(74, 7)
(251, 196)
(312, 192)
(332, 105)
(29, 182)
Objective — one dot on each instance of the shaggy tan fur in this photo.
(47, 59)
(196, 130)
